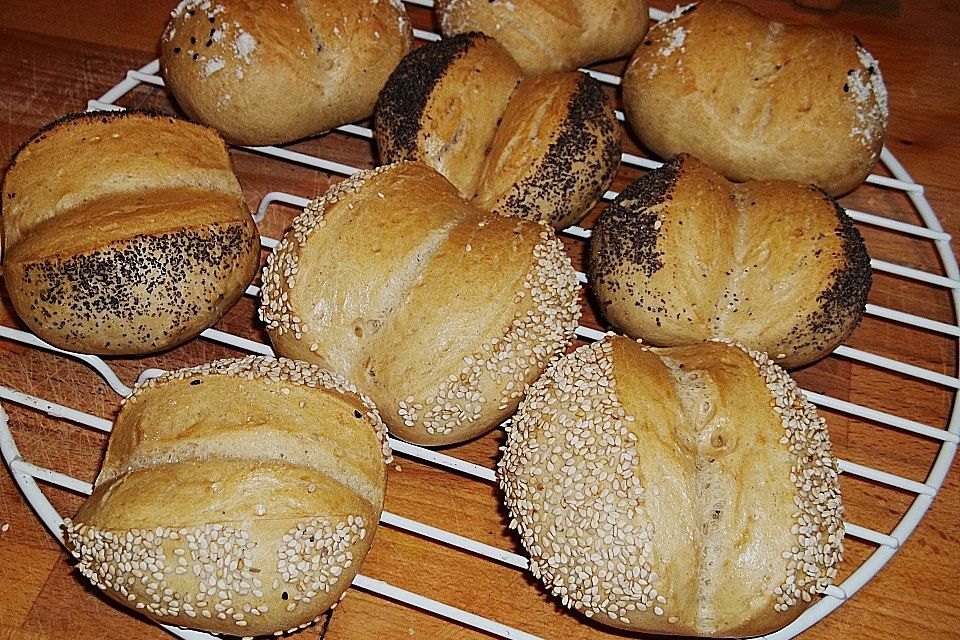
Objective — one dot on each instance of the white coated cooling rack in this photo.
(28, 475)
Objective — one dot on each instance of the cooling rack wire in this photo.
(29, 475)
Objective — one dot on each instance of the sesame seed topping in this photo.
(813, 562)
(494, 376)
(136, 565)
(566, 516)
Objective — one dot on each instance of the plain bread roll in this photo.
(756, 99)
(273, 72)
(551, 35)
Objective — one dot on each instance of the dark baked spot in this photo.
(357, 414)
(404, 97)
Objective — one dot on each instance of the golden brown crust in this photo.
(268, 73)
(551, 35)
(90, 153)
(125, 233)
(444, 318)
(756, 99)
(683, 255)
(693, 493)
(537, 147)
(244, 517)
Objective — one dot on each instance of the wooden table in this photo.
(53, 58)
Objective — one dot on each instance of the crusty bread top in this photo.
(88, 156)
(539, 147)
(551, 35)
(555, 151)
(443, 104)
(615, 436)
(222, 380)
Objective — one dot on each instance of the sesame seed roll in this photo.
(440, 312)
(238, 497)
(687, 491)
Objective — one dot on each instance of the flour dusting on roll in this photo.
(687, 491)
(757, 99)
(273, 72)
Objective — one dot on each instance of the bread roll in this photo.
(541, 148)
(441, 312)
(551, 35)
(272, 72)
(685, 491)
(756, 99)
(125, 233)
(682, 255)
(239, 497)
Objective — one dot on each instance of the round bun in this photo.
(537, 147)
(756, 99)
(683, 255)
(239, 497)
(684, 491)
(125, 233)
(552, 35)
(273, 72)
(441, 312)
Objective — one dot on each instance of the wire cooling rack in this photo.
(30, 476)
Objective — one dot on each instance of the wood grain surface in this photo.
(55, 56)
